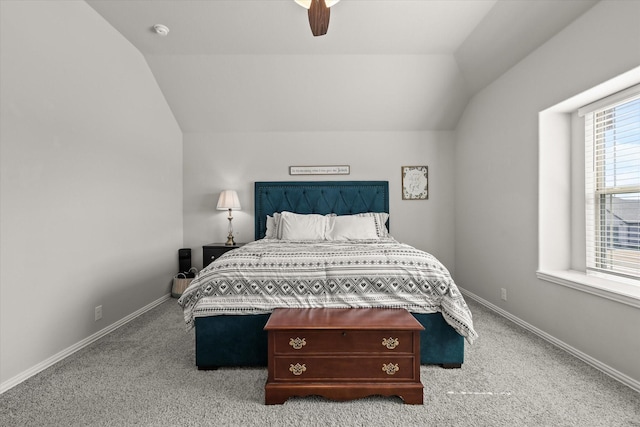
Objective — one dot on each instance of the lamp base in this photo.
(230, 241)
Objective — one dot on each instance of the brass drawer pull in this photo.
(390, 368)
(297, 343)
(390, 342)
(297, 369)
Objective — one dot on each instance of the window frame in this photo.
(561, 212)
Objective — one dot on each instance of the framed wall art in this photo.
(415, 183)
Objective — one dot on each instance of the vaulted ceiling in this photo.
(384, 65)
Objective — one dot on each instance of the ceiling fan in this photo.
(318, 14)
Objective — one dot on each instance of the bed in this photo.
(230, 301)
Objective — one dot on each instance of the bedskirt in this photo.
(240, 340)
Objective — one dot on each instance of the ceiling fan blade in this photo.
(319, 17)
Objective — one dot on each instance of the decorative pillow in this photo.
(270, 233)
(277, 216)
(302, 227)
(352, 227)
(380, 219)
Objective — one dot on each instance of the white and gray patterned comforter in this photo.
(270, 273)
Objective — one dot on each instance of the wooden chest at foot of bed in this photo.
(343, 354)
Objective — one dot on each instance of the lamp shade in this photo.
(228, 200)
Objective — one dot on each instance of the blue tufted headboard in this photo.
(319, 197)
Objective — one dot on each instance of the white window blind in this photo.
(612, 178)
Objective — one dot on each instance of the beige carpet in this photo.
(143, 374)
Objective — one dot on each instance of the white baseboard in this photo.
(12, 382)
(615, 374)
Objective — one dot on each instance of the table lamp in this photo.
(229, 200)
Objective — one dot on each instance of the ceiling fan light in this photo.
(307, 3)
(304, 3)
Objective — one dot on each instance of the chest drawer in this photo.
(342, 341)
(354, 368)
(213, 251)
(343, 354)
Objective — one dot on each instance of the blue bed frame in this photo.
(241, 340)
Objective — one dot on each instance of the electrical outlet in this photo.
(98, 313)
(503, 294)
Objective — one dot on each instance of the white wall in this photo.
(91, 181)
(496, 192)
(215, 162)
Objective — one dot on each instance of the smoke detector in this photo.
(161, 30)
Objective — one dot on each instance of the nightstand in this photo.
(215, 250)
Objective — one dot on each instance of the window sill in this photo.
(616, 291)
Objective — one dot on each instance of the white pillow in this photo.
(270, 233)
(276, 219)
(381, 221)
(302, 227)
(352, 227)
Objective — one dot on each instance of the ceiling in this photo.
(384, 65)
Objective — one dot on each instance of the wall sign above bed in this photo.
(320, 170)
(415, 183)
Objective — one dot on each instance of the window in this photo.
(612, 183)
(563, 230)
